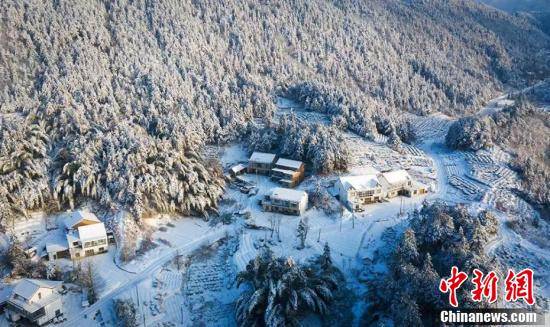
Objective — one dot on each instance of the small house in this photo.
(237, 170)
(87, 241)
(35, 301)
(417, 188)
(85, 236)
(261, 163)
(286, 201)
(288, 173)
(57, 249)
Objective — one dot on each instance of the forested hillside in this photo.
(519, 5)
(112, 100)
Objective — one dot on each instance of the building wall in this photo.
(78, 252)
(286, 207)
(51, 311)
(259, 168)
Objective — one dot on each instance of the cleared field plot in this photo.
(451, 165)
(494, 176)
(431, 127)
(379, 138)
(466, 186)
(478, 158)
(209, 286)
(506, 201)
(413, 151)
(365, 153)
(310, 117)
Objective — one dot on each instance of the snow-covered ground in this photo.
(203, 289)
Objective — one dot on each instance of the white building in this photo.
(87, 240)
(35, 301)
(85, 236)
(356, 191)
(285, 200)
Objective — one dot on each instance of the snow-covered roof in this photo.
(92, 232)
(360, 182)
(417, 185)
(57, 246)
(397, 176)
(26, 288)
(262, 157)
(5, 292)
(237, 168)
(286, 194)
(78, 216)
(294, 164)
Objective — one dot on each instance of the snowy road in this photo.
(135, 279)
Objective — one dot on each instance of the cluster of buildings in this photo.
(84, 235)
(32, 302)
(38, 302)
(353, 191)
(357, 191)
(288, 173)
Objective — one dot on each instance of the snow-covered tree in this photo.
(439, 237)
(21, 265)
(302, 231)
(281, 292)
(88, 278)
(104, 103)
(321, 147)
(325, 260)
(470, 133)
(126, 312)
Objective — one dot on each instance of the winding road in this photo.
(135, 279)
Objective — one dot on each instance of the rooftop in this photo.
(78, 216)
(360, 182)
(57, 246)
(294, 164)
(92, 232)
(397, 176)
(286, 194)
(237, 168)
(27, 287)
(5, 292)
(262, 157)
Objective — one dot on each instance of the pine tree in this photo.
(302, 231)
(281, 292)
(325, 258)
(126, 311)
